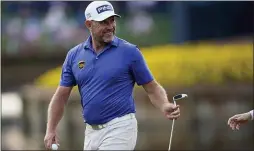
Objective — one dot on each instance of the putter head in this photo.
(179, 96)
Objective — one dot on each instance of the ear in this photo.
(88, 24)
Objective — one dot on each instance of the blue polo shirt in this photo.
(105, 80)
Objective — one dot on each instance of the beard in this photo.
(108, 38)
(104, 37)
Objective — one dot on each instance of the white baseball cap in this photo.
(99, 11)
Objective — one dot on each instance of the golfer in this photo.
(105, 68)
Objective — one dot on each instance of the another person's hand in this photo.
(49, 139)
(235, 121)
(171, 111)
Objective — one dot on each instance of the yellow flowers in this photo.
(201, 64)
(186, 65)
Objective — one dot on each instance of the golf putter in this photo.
(176, 97)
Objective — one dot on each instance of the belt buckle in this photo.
(100, 126)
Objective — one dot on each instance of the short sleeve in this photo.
(67, 77)
(140, 70)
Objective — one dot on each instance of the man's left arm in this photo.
(158, 97)
(155, 91)
(156, 94)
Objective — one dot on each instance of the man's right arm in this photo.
(56, 107)
(59, 100)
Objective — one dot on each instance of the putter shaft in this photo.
(172, 129)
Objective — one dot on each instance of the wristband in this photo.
(252, 114)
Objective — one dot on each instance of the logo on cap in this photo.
(104, 8)
(88, 15)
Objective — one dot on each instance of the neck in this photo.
(98, 46)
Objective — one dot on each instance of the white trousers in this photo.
(118, 134)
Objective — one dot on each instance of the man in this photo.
(235, 121)
(105, 69)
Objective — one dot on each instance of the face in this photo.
(103, 31)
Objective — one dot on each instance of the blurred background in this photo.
(203, 49)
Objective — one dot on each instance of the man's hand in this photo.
(171, 111)
(49, 139)
(159, 99)
(235, 121)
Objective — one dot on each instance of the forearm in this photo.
(55, 111)
(158, 97)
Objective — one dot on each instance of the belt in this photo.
(115, 120)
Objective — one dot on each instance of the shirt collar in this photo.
(88, 44)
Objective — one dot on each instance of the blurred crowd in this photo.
(62, 23)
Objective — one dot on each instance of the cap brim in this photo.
(105, 16)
